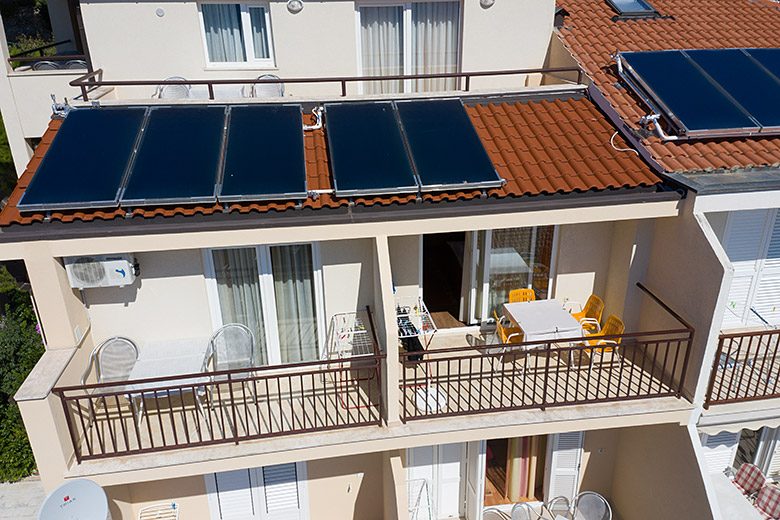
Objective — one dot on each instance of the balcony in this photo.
(746, 367)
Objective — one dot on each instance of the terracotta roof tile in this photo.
(591, 35)
(537, 147)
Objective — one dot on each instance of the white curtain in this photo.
(238, 288)
(293, 274)
(259, 32)
(435, 30)
(381, 36)
(224, 39)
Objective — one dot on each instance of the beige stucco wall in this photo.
(405, 261)
(599, 454)
(347, 275)
(321, 40)
(583, 260)
(189, 493)
(346, 487)
(657, 476)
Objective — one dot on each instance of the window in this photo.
(409, 38)
(237, 33)
(276, 291)
(633, 8)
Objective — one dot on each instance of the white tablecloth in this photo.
(220, 92)
(169, 358)
(543, 320)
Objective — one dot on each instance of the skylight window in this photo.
(633, 8)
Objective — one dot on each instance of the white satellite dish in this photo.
(79, 499)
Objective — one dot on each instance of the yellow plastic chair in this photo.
(522, 295)
(589, 315)
(612, 326)
(508, 334)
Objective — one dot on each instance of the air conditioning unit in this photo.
(100, 271)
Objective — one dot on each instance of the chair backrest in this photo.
(115, 358)
(168, 511)
(522, 511)
(768, 501)
(591, 506)
(233, 346)
(750, 478)
(557, 506)
(522, 295)
(173, 91)
(45, 65)
(613, 325)
(265, 90)
(594, 307)
(75, 64)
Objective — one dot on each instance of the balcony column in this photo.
(59, 306)
(396, 503)
(387, 329)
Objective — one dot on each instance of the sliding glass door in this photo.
(276, 291)
(507, 259)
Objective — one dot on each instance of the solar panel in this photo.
(446, 150)
(264, 154)
(744, 80)
(769, 58)
(86, 161)
(367, 151)
(678, 89)
(179, 157)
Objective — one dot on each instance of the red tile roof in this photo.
(539, 147)
(591, 35)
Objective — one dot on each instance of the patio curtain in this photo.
(259, 32)
(381, 37)
(238, 288)
(224, 39)
(293, 274)
(435, 30)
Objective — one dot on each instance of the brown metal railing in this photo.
(21, 58)
(746, 368)
(152, 415)
(87, 80)
(541, 374)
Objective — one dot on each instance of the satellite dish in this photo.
(79, 499)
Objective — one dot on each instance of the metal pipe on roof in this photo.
(317, 112)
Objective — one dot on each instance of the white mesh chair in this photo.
(164, 91)
(113, 360)
(45, 65)
(493, 513)
(590, 506)
(75, 64)
(523, 511)
(233, 347)
(267, 90)
(159, 512)
(557, 506)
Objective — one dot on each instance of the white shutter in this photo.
(773, 251)
(449, 475)
(281, 497)
(743, 244)
(564, 455)
(719, 450)
(230, 495)
(771, 438)
(767, 299)
(475, 479)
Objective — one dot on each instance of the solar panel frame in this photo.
(129, 200)
(400, 143)
(470, 133)
(745, 80)
(226, 158)
(655, 101)
(61, 138)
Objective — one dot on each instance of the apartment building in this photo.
(335, 418)
(732, 176)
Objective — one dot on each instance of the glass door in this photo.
(276, 291)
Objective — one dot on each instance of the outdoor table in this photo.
(220, 92)
(543, 320)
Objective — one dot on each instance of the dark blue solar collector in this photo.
(86, 161)
(679, 90)
(446, 150)
(367, 151)
(179, 157)
(264, 157)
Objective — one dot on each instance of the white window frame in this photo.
(258, 492)
(267, 295)
(407, 16)
(246, 28)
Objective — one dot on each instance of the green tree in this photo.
(20, 349)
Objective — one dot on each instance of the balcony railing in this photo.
(746, 368)
(151, 415)
(23, 57)
(89, 81)
(541, 374)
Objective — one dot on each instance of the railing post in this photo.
(233, 407)
(685, 363)
(714, 373)
(468, 82)
(69, 422)
(343, 88)
(378, 368)
(211, 90)
(548, 352)
(84, 93)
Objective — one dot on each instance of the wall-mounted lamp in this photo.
(295, 6)
(487, 3)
